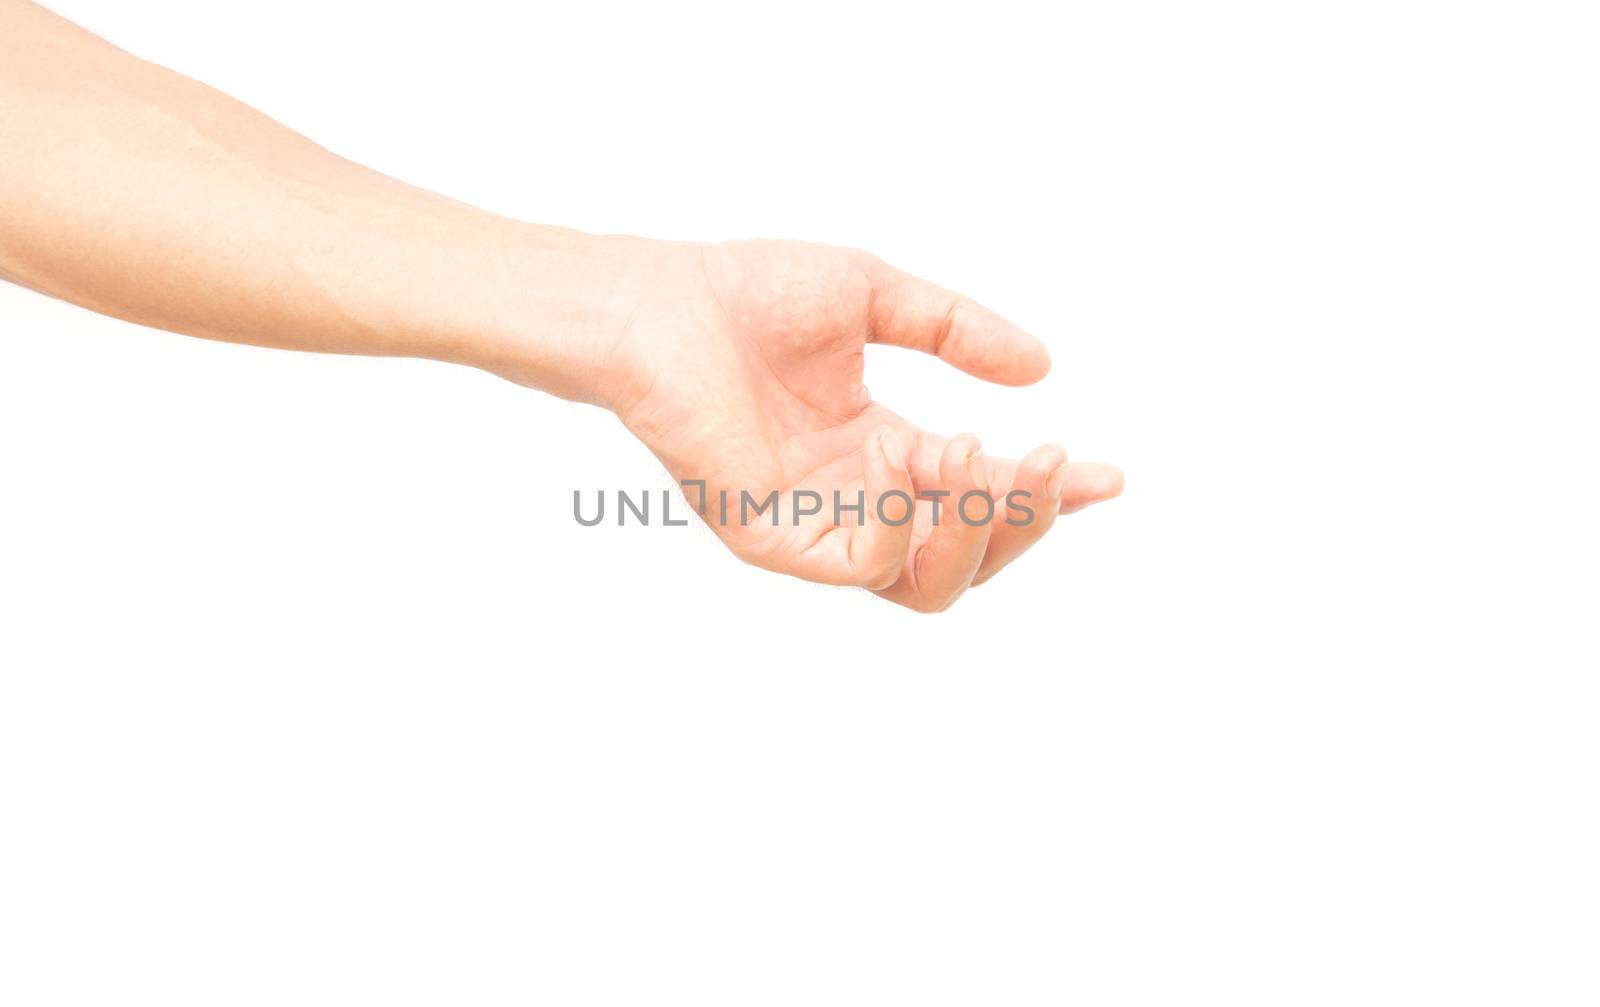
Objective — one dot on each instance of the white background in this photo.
(313, 692)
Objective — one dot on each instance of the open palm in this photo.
(746, 372)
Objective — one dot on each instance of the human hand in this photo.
(737, 364)
(742, 366)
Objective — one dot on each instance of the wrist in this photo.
(563, 305)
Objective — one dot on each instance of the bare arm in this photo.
(142, 194)
(139, 193)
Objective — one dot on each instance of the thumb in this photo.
(918, 315)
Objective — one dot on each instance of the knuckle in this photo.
(881, 574)
(932, 606)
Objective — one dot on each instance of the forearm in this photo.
(139, 193)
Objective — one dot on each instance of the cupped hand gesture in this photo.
(742, 368)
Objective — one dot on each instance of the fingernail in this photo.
(976, 468)
(892, 448)
(1055, 482)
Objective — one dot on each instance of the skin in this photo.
(141, 194)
